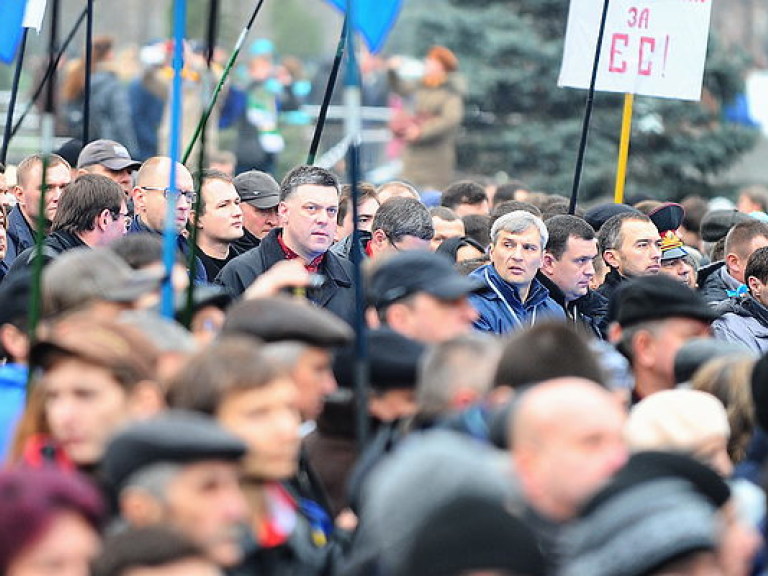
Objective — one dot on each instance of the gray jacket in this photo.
(738, 324)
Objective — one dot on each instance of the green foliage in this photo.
(518, 120)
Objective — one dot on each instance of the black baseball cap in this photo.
(408, 273)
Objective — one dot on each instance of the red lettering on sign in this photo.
(647, 48)
(617, 63)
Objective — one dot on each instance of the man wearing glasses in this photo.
(91, 212)
(308, 208)
(150, 202)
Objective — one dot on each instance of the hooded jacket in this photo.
(589, 310)
(715, 282)
(744, 320)
(500, 308)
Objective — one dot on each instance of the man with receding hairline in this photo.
(566, 438)
(150, 201)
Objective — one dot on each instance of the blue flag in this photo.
(373, 19)
(10, 27)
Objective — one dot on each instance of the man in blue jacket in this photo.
(513, 298)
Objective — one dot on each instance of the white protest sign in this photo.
(650, 47)
(33, 14)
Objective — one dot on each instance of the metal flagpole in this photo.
(352, 102)
(14, 94)
(328, 93)
(48, 73)
(588, 112)
(47, 136)
(88, 72)
(169, 232)
(224, 76)
(213, 17)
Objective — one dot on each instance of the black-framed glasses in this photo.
(127, 218)
(190, 195)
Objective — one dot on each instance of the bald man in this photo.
(150, 202)
(567, 441)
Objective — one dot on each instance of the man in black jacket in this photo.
(568, 269)
(309, 202)
(91, 212)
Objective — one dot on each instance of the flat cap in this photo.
(258, 189)
(176, 436)
(698, 351)
(414, 271)
(85, 274)
(600, 214)
(281, 318)
(716, 223)
(121, 349)
(657, 298)
(393, 360)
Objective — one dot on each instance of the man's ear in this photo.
(282, 212)
(611, 258)
(103, 219)
(756, 287)
(139, 508)
(139, 198)
(19, 194)
(547, 263)
(643, 348)
(732, 263)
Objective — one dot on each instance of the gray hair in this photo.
(283, 356)
(399, 217)
(519, 221)
(467, 361)
(153, 479)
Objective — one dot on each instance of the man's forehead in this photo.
(634, 230)
(316, 192)
(530, 233)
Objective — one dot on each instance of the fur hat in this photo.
(446, 58)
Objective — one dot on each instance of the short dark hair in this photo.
(609, 237)
(230, 364)
(305, 174)
(150, 546)
(561, 228)
(463, 192)
(203, 177)
(83, 200)
(444, 213)
(478, 227)
(142, 249)
(546, 351)
(402, 216)
(506, 191)
(504, 208)
(739, 237)
(365, 191)
(757, 265)
(24, 167)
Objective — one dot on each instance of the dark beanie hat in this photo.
(639, 530)
(472, 532)
(658, 298)
(393, 361)
(716, 223)
(652, 465)
(600, 214)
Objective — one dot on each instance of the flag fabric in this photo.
(10, 28)
(373, 19)
(33, 16)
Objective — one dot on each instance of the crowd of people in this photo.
(545, 393)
